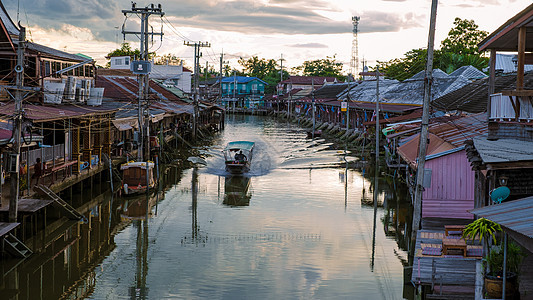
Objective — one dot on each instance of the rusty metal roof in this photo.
(516, 215)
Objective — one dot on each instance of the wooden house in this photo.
(449, 183)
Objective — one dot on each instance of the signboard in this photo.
(141, 67)
(344, 106)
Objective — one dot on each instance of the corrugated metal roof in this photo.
(468, 72)
(309, 80)
(12, 29)
(505, 37)
(516, 215)
(53, 52)
(44, 113)
(445, 133)
(437, 73)
(473, 96)
(503, 150)
(241, 79)
(505, 63)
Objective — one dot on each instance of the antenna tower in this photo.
(354, 62)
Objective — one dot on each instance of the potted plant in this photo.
(486, 229)
(494, 278)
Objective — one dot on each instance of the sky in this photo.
(297, 30)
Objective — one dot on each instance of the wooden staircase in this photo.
(15, 247)
(72, 213)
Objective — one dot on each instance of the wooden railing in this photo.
(510, 108)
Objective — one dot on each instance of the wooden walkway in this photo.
(5, 228)
(28, 205)
(448, 270)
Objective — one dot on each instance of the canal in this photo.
(301, 225)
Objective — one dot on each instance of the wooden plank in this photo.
(518, 93)
(5, 228)
(28, 205)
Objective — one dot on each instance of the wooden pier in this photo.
(443, 273)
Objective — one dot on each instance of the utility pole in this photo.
(206, 94)
(313, 106)
(17, 120)
(197, 56)
(417, 211)
(220, 76)
(281, 73)
(144, 80)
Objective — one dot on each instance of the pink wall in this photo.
(451, 194)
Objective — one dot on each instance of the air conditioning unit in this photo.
(53, 92)
(70, 89)
(86, 85)
(80, 95)
(95, 96)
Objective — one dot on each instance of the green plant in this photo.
(495, 259)
(482, 228)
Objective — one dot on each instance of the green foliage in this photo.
(514, 259)
(413, 62)
(256, 67)
(328, 67)
(482, 228)
(463, 38)
(458, 49)
(125, 50)
(266, 70)
(169, 58)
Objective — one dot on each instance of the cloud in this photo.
(309, 45)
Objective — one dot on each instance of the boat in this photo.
(134, 177)
(238, 156)
(317, 133)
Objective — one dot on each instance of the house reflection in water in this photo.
(236, 191)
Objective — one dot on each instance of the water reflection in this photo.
(236, 191)
(304, 233)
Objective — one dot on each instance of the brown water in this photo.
(300, 225)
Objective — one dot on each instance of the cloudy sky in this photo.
(299, 29)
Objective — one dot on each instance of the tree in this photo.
(458, 49)
(259, 68)
(413, 62)
(168, 58)
(124, 50)
(266, 70)
(327, 67)
(463, 38)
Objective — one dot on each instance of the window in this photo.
(254, 87)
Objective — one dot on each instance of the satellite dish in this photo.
(499, 194)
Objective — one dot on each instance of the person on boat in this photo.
(240, 156)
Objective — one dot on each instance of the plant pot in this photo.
(493, 286)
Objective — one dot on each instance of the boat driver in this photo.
(240, 156)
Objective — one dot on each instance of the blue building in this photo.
(243, 91)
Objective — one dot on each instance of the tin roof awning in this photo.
(515, 215)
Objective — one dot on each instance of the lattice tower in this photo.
(354, 62)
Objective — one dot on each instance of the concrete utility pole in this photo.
(220, 77)
(417, 211)
(144, 80)
(281, 72)
(313, 106)
(17, 128)
(197, 56)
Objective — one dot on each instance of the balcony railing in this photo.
(510, 108)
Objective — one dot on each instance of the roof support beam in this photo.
(521, 58)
